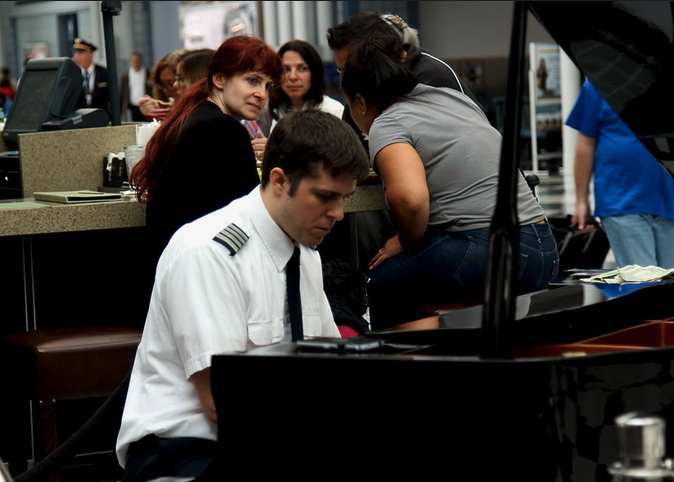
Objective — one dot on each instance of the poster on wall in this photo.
(208, 25)
(545, 94)
(545, 64)
(37, 50)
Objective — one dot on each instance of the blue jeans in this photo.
(452, 267)
(640, 239)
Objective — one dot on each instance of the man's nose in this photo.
(336, 210)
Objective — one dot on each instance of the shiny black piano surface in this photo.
(428, 403)
(566, 314)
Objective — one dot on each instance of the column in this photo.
(570, 87)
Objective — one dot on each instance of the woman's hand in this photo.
(147, 104)
(391, 248)
(259, 145)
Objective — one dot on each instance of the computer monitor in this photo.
(48, 90)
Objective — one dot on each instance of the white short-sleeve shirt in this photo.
(208, 300)
(329, 105)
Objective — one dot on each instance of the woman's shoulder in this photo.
(209, 112)
(443, 95)
(425, 90)
(332, 106)
(207, 121)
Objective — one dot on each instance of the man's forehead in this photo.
(341, 185)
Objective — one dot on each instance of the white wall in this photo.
(453, 30)
(449, 29)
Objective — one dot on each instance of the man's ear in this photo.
(278, 180)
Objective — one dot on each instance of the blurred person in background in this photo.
(6, 74)
(191, 67)
(409, 35)
(633, 194)
(303, 87)
(134, 83)
(95, 87)
(164, 94)
(7, 90)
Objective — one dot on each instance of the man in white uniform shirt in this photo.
(221, 287)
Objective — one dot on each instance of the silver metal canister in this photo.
(641, 437)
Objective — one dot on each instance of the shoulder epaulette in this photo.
(232, 237)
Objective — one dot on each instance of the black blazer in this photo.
(101, 92)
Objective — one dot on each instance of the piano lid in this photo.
(566, 314)
(626, 50)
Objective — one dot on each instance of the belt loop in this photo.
(534, 229)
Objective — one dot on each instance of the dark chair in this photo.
(55, 366)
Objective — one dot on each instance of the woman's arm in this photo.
(404, 175)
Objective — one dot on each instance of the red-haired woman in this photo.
(200, 158)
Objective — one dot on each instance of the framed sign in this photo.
(545, 105)
(545, 65)
(38, 50)
(207, 25)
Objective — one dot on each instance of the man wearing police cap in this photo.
(95, 90)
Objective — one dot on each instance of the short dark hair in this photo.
(374, 69)
(304, 141)
(356, 25)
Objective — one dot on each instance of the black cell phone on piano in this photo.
(339, 345)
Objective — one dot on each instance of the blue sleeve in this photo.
(585, 115)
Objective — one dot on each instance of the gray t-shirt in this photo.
(461, 153)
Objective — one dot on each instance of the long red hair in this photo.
(236, 55)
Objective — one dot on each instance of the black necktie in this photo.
(85, 84)
(294, 300)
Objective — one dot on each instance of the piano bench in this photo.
(72, 363)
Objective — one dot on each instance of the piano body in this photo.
(433, 403)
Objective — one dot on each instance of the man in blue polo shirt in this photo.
(633, 194)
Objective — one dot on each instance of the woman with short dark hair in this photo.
(438, 158)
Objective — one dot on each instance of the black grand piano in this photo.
(519, 388)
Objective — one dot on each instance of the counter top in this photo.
(27, 216)
(368, 197)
